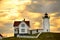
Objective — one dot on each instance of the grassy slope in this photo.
(43, 36)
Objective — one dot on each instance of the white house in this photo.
(22, 27)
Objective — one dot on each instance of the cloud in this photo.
(54, 22)
(35, 7)
(31, 10)
(44, 6)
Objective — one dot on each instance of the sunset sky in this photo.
(32, 10)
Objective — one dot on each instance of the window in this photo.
(22, 30)
(23, 25)
(47, 30)
(16, 30)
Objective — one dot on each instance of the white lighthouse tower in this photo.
(46, 23)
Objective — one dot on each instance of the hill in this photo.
(43, 36)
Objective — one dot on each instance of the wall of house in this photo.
(34, 31)
(26, 28)
(29, 32)
(40, 30)
(16, 30)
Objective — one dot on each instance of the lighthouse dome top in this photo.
(46, 15)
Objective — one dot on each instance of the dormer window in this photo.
(23, 25)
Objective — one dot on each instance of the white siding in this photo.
(40, 30)
(28, 31)
(15, 31)
(26, 28)
(34, 31)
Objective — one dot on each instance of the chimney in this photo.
(23, 19)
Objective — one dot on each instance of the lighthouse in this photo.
(46, 23)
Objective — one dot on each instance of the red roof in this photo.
(16, 23)
(1, 35)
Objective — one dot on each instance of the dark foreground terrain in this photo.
(43, 36)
